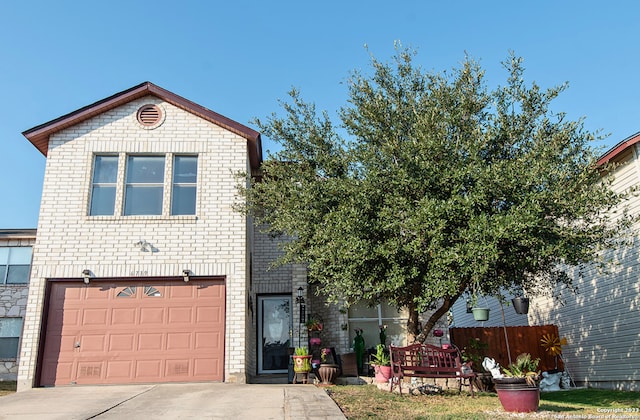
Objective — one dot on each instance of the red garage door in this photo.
(134, 331)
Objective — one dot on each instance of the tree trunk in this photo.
(413, 324)
(447, 303)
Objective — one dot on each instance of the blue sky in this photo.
(240, 57)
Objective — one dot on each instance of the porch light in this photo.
(303, 307)
(86, 276)
(185, 275)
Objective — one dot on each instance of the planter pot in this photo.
(521, 305)
(516, 395)
(301, 363)
(328, 373)
(383, 373)
(315, 341)
(480, 314)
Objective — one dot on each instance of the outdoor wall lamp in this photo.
(86, 275)
(303, 307)
(185, 275)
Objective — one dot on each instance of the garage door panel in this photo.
(119, 369)
(184, 291)
(151, 316)
(148, 369)
(177, 368)
(208, 314)
(134, 331)
(206, 367)
(178, 341)
(122, 342)
(93, 343)
(95, 316)
(207, 340)
(123, 316)
(180, 315)
(89, 372)
(151, 341)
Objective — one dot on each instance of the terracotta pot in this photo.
(301, 363)
(328, 373)
(516, 395)
(383, 373)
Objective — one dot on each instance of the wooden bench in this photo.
(427, 361)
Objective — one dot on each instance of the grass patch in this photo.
(369, 402)
(7, 387)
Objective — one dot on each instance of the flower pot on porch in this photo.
(328, 372)
(301, 364)
(516, 395)
(480, 314)
(521, 305)
(382, 373)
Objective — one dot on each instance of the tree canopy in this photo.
(432, 185)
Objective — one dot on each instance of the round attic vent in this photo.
(149, 115)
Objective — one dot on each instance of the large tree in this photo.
(433, 185)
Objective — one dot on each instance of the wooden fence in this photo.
(480, 342)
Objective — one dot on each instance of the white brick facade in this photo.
(214, 242)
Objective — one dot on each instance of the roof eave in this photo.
(39, 135)
(616, 150)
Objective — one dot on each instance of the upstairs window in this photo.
(14, 265)
(143, 191)
(103, 187)
(144, 185)
(185, 173)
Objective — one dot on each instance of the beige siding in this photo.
(601, 321)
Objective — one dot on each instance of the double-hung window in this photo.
(103, 188)
(142, 185)
(9, 337)
(14, 264)
(185, 172)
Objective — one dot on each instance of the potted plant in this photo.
(328, 370)
(301, 360)
(520, 304)
(480, 313)
(314, 324)
(519, 390)
(381, 364)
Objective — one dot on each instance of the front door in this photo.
(274, 333)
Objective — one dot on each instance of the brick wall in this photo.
(212, 243)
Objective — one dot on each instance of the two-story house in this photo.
(142, 267)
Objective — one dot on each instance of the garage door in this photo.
(134, 332)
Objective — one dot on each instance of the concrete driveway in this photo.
(171, 401)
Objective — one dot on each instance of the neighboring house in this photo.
(600, 322)
(15, 264)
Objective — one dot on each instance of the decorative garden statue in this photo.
(358, 347)
(491, 366)
(550, 381)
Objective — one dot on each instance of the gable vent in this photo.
(149, 115)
